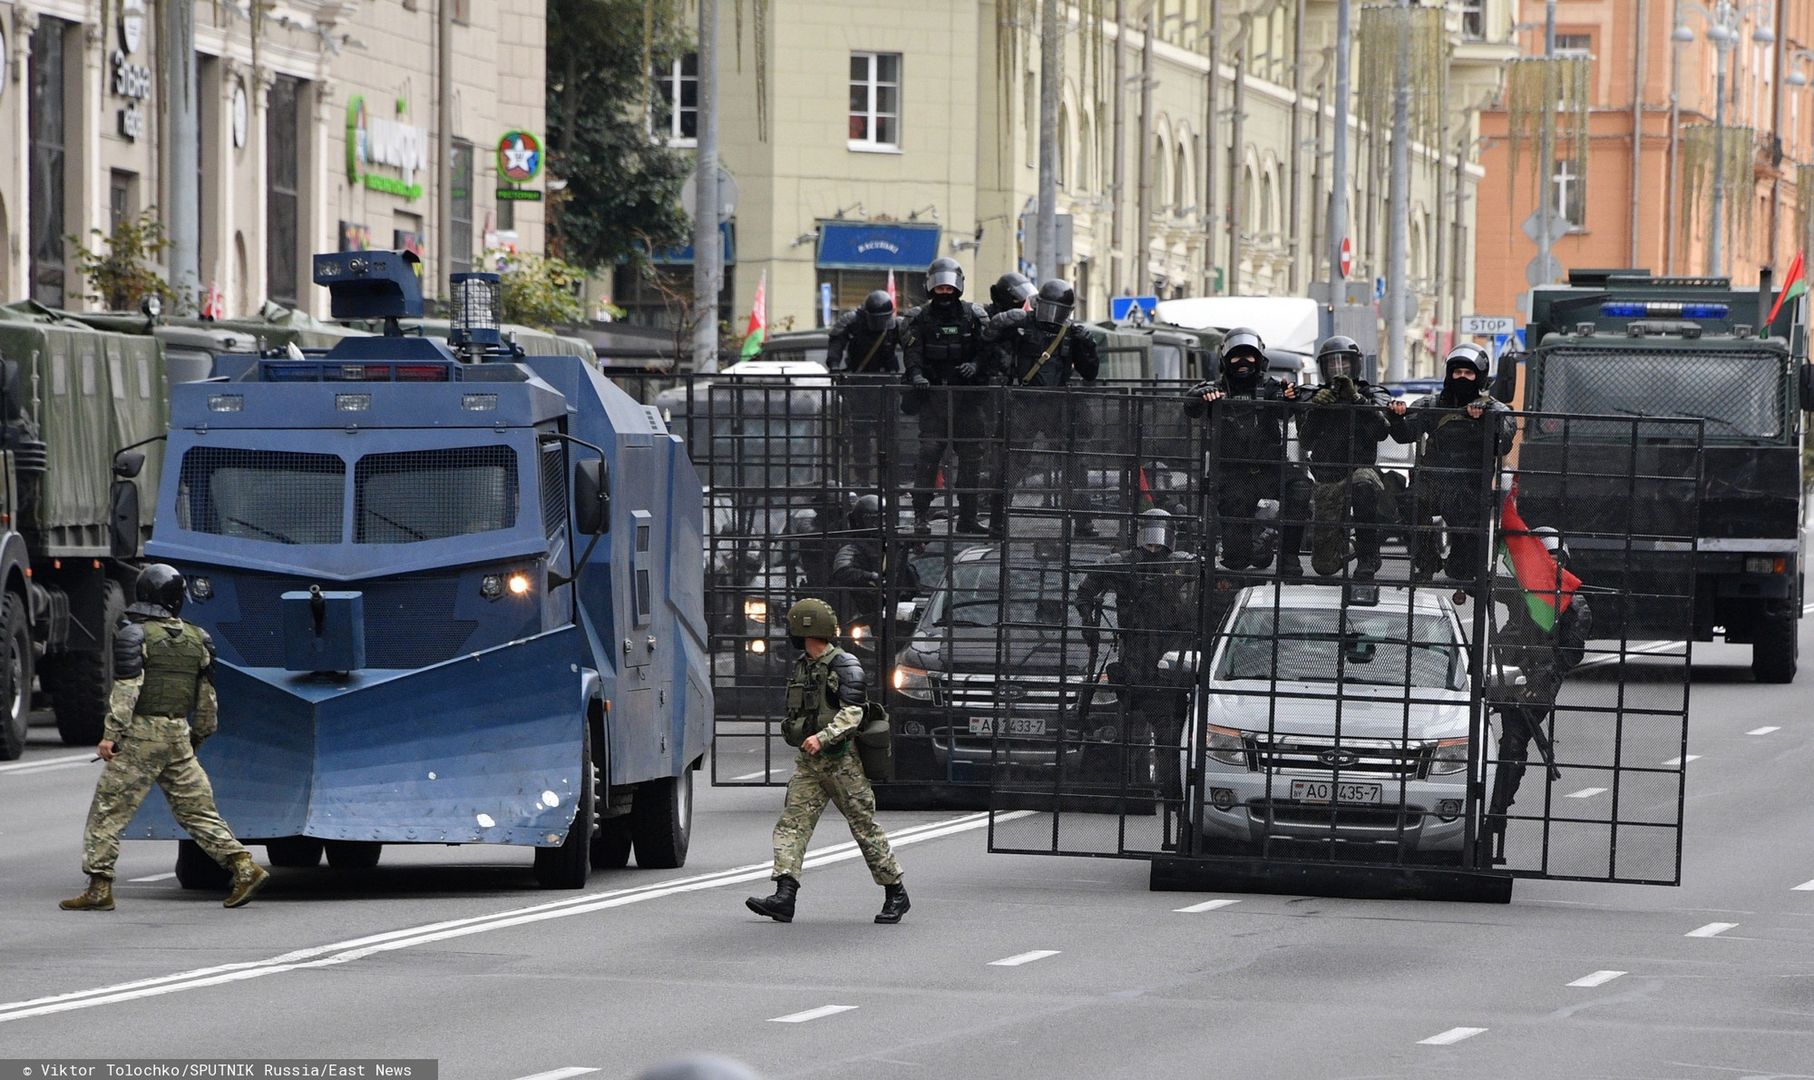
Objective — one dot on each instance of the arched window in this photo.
(1063, 147)
(1180, 179)
(1263, 225)
(1415, 255)
(1161, 185)
(1086, 180)
(1250, 211)
(1030, 95)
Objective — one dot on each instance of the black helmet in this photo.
(1052, 306)
(162, 585)
(1468, 355)
(866, 513)
(878, 308)
(1243, 353)
(1010, 291)
(944, 271)
(1338, 356)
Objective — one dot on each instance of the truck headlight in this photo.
(1227, 746)
(755, 609)
(1764, 564)
(1451, 756)
(913, 682)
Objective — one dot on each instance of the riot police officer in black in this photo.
(1042, 349)
(1250, 410)
(1462, 432)
(948, 363)
(864, 354)
(1341, 431)
(1010, 292)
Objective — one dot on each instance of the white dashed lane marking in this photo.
(1712, 929)
(1806, 886)
(1598, 978)
(1585, 793)
(1683, 760)
(1207, 905)
(153, 877)
(47, 764)
(1451, 1036)
(560, 1074)
(1763, 730)
(1023, 958)
(811, 1014)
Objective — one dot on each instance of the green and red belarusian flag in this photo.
(1548, 587)
(1794, 285)
(758, 328)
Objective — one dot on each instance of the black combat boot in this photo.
(1291, 546)
(967, 524)
(779, 907)
(894, 905)
(1368, 566)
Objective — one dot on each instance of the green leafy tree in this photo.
(122, 269)
(539, 292)
(617, 190)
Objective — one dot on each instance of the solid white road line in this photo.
(154, 877)
(342, 952)
(1683, 760)
(1598, 978)
(811, 1014)
(1207, 905)
(560, 1074)
(1585, 793)
(759, 774)
(47, 764)
(1806, 886)
(1023, 958)
(1450, 1037)
(1763, 730)
(1712, 929)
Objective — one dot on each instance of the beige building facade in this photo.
(868, 140)
(318, 125)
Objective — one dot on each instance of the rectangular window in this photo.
(875, 101)
(1473, 19)
(122, 203)
(434, 494)
(459, 240)
(1568, 186)
(48, 191)
(506, 215)
(283, 177)
(1574, 44)
(674, 110)
(276, 496)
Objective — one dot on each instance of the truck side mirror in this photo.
(123, 517)
(128, 463)
(591, 497)
(1807, 386)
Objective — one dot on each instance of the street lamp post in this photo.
(1723, 22)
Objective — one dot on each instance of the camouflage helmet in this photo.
(811, 618)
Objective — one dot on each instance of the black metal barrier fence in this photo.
(1139, 625)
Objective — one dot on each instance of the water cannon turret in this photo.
(372, 285)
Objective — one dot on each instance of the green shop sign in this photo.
(389, 142)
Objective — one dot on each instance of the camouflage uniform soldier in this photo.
(825, 697)
(162, 708)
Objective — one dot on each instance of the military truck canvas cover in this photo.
(87, 393)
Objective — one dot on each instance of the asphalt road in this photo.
(452, 954)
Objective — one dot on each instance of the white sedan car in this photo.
(1346, 727)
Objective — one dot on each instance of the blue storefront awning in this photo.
(861, 245)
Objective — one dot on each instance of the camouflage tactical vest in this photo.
(811, 693)
(175, 657)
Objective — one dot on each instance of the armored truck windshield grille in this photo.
(276, 496)
(1738, 392)
(434, 494)
(554, 489)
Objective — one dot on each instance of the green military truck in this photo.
(70, 395)
(1624, 343)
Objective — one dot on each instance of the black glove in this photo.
(966, 370)
(872, 579)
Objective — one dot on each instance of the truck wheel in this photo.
(15, 677)
(570, 865)
(195, 870)
(353, 854)
(1774, 647)
(611, 844)
(661, 821)
(294, 851)
(83, 681)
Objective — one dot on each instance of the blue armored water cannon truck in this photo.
(455, 591)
